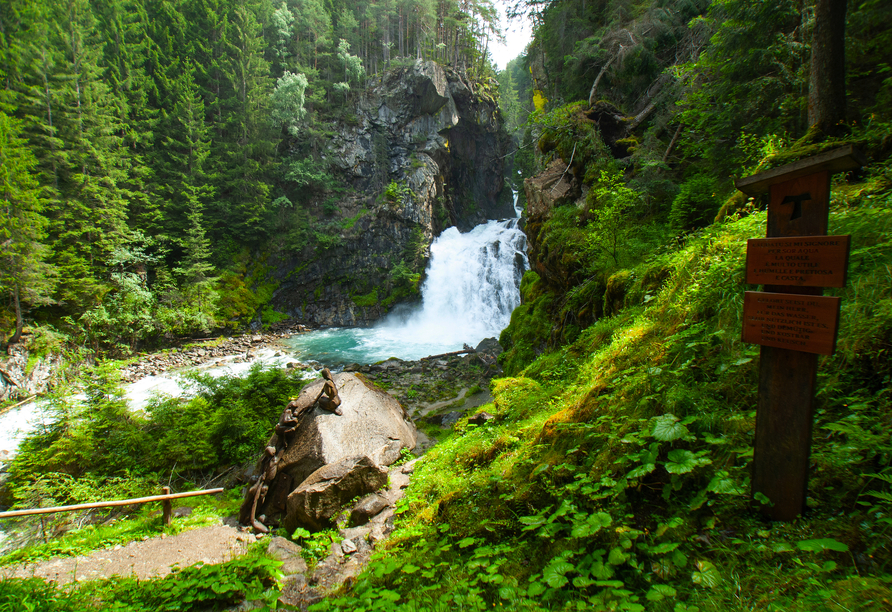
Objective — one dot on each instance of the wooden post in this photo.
(166, 507)
(799, 201)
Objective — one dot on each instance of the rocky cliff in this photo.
(423, 152)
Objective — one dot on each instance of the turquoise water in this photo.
(339, 346)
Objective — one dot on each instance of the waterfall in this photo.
(471, 286)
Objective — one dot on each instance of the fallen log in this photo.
(453, 353)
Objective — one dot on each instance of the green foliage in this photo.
(288, 102)
(198, 587)
(614, 204)
(225, 422)
(395, 194)
(315, 546)
(367, 300)
(695, 205)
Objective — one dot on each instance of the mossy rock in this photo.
(615, 292)
(734, 206)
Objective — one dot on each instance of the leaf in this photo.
(660, 591)
(466, 542)
(678, 558)
(762, 498)
(408, 568)
(666, 428)
(535, 589)
(641, 470)
(880, 495)
(592, 525)
(723, 485)
(581, 582)
(507, 592)
(389, 595)
(617, 556)
(681, 462)
(821, 544)
(782, 547)
(664, 548)
(708, 575)
(601, 571)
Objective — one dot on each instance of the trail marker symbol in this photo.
(797, 201)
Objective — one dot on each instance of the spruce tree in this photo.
(25, 276)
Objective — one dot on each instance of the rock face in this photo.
(337, 453)
(18, 381)
(424, 151)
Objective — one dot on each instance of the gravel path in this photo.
(145, 559)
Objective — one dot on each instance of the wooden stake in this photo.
(166, 507)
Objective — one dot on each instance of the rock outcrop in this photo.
(423, 151)
(330, 459)
(20, 379)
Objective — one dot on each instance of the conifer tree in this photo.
(25, 276)
(88, 218)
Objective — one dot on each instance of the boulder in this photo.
(367, 507)
(490, 346)
(481, 418)
(372, 424)
(320, 497)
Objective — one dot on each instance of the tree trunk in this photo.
(591, 94)
(19, 324)
(827, 82)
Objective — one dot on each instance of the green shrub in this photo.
(696, 204)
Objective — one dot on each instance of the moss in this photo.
(615, 292)
(734, 206)
(369, 299)
(527, 333)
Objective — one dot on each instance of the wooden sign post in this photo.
(791, 319)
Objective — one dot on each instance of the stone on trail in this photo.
(322, 495)
(289, 553)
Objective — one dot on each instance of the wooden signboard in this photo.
(805, 261)
(789, 321)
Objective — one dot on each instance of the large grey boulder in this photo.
(373, 424)
(320, 497)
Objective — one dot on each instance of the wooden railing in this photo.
(164, 499)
